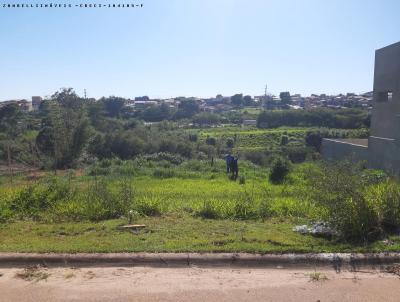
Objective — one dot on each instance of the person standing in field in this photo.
(229, 159)
(235, 168)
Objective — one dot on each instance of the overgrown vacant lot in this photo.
(192, 206)
(170, 175)
(168, 233)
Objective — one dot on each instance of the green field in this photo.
(251, 138)
(76, 170)
(192, 205)
(189, 207)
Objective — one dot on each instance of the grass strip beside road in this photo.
(172, 233)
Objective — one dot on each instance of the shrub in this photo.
(280, 170)
(386, 198)
(314, 139)
(206, 118)
(164, 173)
(193, 137)
(126, 145)
(6, 213)
(127, 169)
(374, 176)
(125, 196)
(105, 163)
(284, 140)
(341, 191)
(97, 171)
(149, 206)
(209, 210)
(230, 142)
(212, 141)
(174, 159)
(257, 157)
(264, 208)
(101, 203)
(167, 145)
(296, 154)
(33, 201)
(244, 207)
(194, 165)
(184, 150)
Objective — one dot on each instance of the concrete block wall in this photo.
(384, 154)
(341, 150)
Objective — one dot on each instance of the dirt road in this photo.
(195, 284)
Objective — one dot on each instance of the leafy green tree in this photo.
(186, 109)
(184, 150)
(96, 113)
(285, 97)
(248, 100)
(157, 113)
(10, 118)
(237, 100)
(113, 105)
(206, 118)
(98, 147)
(314, 139)
(65, 128)
(234, 117)
(11, 125)
(280, 170)
(126, 145)
(167, 145)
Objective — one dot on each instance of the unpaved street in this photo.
(195, 284)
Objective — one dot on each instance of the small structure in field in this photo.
(249, 123)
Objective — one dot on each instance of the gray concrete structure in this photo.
(36, 101)
(382, 149)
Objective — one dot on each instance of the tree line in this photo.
(68, 129)
(321, 117)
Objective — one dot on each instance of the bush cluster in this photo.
(279, 171)
(360, 207)
(56, 199)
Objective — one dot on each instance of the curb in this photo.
(337, 261)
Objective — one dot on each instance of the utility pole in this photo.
(9, 162)
(84, 92)
(265, 96)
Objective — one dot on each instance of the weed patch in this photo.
(34, 273)
(317, 277)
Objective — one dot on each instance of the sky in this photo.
(197, 48)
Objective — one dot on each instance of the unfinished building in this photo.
(382, 149)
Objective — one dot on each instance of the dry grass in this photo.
(34, 273)
(317, 277)
(89, 275)
(394, 269)
(69, 275)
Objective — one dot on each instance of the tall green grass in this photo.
(358, 204)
